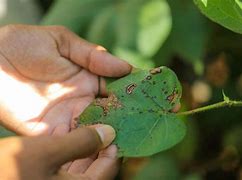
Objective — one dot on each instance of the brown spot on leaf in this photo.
(107, 103)
(130, 88)
(155, 70)
(172, 96)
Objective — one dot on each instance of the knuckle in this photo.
(104, 154)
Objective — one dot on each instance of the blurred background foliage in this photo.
(148, 33)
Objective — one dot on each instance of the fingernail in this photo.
(106, 133)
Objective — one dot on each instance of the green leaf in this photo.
(227, 13)
(188, 36)
(73, 14)
(139, 108)
(134, 58)
(205, 2)
(154, 26)
(101, 30)
(142, 25)
(127, 23)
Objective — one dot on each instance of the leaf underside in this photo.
(139, 108)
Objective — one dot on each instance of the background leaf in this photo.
(101, 30)
(188, 36)
(227, 13)
(154, 26)
(73, 14)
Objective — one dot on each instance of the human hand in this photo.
(41, 157)
(48, 75)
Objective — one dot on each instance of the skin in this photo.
(48, 76)
(41, 157)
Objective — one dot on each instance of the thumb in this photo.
(88, 55)
(79, 143)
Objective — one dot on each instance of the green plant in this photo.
(139, 108)
(153, 33)
(147, 34)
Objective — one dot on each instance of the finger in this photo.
(80, 166)
(61, 130)
(103, 88)
(66, 166)
(90, 56)
(63, 175)
(79, 143)
(106, 166)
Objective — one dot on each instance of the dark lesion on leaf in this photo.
(130, 88)
(173, 96)
(148, 77)
(107, 103)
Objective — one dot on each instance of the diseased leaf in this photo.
(139, 108)
(227, 13)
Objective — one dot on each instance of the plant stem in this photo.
(212, 106)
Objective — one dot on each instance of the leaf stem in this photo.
(224, 103)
